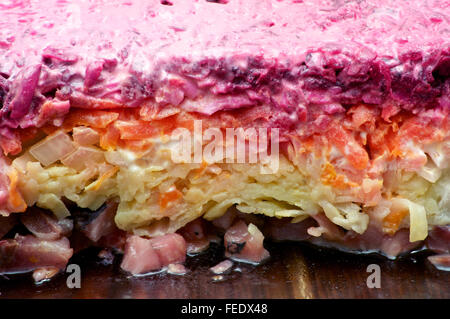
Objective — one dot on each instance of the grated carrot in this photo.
(96, 185)
(330, 177)
(392, 221)
(168, 197)
(15, 198)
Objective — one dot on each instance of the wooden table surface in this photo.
(294, 271)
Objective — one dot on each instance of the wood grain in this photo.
(294, 271)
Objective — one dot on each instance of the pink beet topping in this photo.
(289, 54)
(141, 32)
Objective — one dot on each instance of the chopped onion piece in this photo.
(291, 213)
(441, 262)
(42, 274)
(430, 172)
(299, 219)
(20, 163)
(85, 136)
(83, 157)
(222, 267)
(347, 217)
(53, 148)
(53, 203)
(120, 158)
(437, 154)
(176, 269)
(254, 231)
(418, 223)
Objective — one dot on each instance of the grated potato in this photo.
(294, 191)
